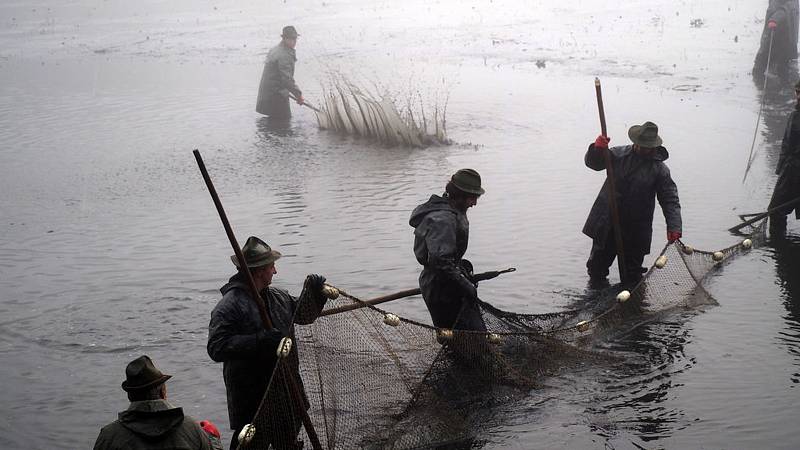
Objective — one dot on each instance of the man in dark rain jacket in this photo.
(788, 186)
(151, 422)
(640, 176)
(277, 79)
(781, 21)
(441, 235)
(237, 338)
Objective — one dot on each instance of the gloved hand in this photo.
(315, 282)
(602, 142)
(209, 428)
(673, 236)
(467, 270)
(772, 24)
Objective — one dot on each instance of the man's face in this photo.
(645, 151)
(290, 42)
(464, 203)
(265, 274)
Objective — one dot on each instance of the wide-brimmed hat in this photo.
(142, 374)
(467, 180)
(257, 253)
(289, 32)
(645, 135)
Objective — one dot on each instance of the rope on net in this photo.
(375, 379)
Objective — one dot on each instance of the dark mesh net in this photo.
(376, 380)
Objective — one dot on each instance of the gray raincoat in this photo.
(784, 41)
(153, 425)
(277, 81)
(639, 181)
(441, 235)
(236, 339)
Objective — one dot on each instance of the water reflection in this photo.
(787, 261)
(779, 100)
(269, 128)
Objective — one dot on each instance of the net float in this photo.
(688, 249)
(284, 347)
(494, 338)
(391, 319)
(661, 261)
(582, 326)
(747, 243)
(623, 296)
(330, 292)
(247, 434)
(443, 335)
(717, 256)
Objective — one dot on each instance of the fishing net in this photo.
(353, 111)
(373, 379)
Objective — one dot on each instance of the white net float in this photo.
(717, 256)
(391, 319)
(661, 261)
(623, 296)
(247, 434)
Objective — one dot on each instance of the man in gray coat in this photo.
(277, 79)
(640, 176)
(441, 235)
(151, 422)
(237, 338)
(780, 27)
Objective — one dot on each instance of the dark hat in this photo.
(467, 180)
(142, 374)
(257, 253)
(645, 135)
(289, 32)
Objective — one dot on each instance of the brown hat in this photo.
(142, 374)
(257, 253)
(645, 135)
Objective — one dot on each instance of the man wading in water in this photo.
(441, 235)
(780, 26)
(237, 338)
(640, 176)
(277, 80)
(788, 186)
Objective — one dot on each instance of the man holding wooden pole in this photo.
(638, 175)
(238, 339)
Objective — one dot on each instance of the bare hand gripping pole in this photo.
(262, 309)
(611, 184)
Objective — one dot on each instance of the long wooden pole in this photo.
(406, 293)
(611, 185)
(262, 309)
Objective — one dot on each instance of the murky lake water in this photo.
(110, 246)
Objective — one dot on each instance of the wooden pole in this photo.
(611, 191)
(406, 293)
(262, 309)
(757, 217)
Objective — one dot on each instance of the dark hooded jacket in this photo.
(639, 181)
(787, 188)
(152, 425)
(236, 338)
(784, 40)
(441, 235)
(277, 79)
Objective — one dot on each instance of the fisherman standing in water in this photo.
(787, 187)
(640, 176)
(277, 79)
(441, 235)
(780, 27)
(237, 338)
